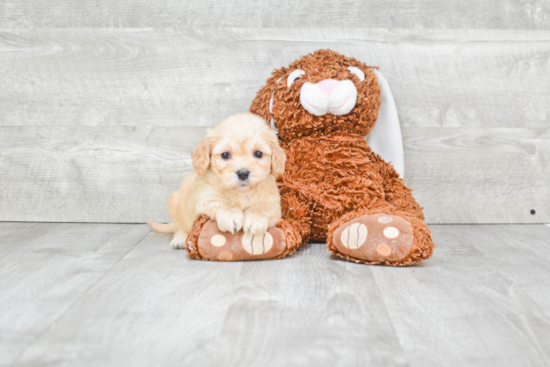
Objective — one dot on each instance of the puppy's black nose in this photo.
(243, 174)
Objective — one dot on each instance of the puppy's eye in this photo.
(295, 75)
(258, 154)
(357, 72)
(226, 155)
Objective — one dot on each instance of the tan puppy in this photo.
(233, 182)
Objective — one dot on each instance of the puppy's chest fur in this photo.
(244, 200)
(261, 193)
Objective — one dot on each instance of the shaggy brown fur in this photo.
(331, 174)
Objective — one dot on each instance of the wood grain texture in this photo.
(479, 175)
(46, 268)
(125, 174)
(481, 300)
(196, 77)
(158, 307)
(88, 174)
(512, 14)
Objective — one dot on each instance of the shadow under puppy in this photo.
(233, 183)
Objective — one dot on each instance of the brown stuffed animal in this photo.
(335, 188)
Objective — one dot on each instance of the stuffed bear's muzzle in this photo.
(337, 97)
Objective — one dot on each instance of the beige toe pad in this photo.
(375, 238)
(223, 246)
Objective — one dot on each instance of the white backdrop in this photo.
(102, 102)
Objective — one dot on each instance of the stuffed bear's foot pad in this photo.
(375, 238)
(216, 245)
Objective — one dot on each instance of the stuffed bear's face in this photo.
(320, 93)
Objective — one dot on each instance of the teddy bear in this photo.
(337, 187)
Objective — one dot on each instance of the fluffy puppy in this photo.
(233, 182)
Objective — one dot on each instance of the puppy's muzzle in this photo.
(243, 174)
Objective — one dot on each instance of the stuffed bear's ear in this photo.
(385, 137)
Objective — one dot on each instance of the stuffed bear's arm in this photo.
(397, 194)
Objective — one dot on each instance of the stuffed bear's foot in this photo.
(381, 239)
(213, 244)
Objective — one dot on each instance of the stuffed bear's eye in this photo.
(258, 154)
(357, 72)
(295, 75)
(226, 155)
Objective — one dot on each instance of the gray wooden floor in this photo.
(117, 295)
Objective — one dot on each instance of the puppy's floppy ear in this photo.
(201, 155)
(278, 158)
(278, 161)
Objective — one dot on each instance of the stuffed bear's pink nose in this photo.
(327, 86)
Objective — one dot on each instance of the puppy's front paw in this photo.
(230, 221)
(255, 224)
(179, 240)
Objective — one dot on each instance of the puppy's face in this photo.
(240, 152)
(241, 164)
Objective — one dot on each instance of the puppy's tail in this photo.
(162, 228)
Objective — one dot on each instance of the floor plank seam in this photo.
(390, 318)
(30, 344)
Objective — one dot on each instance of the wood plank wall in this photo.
(102, 101)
